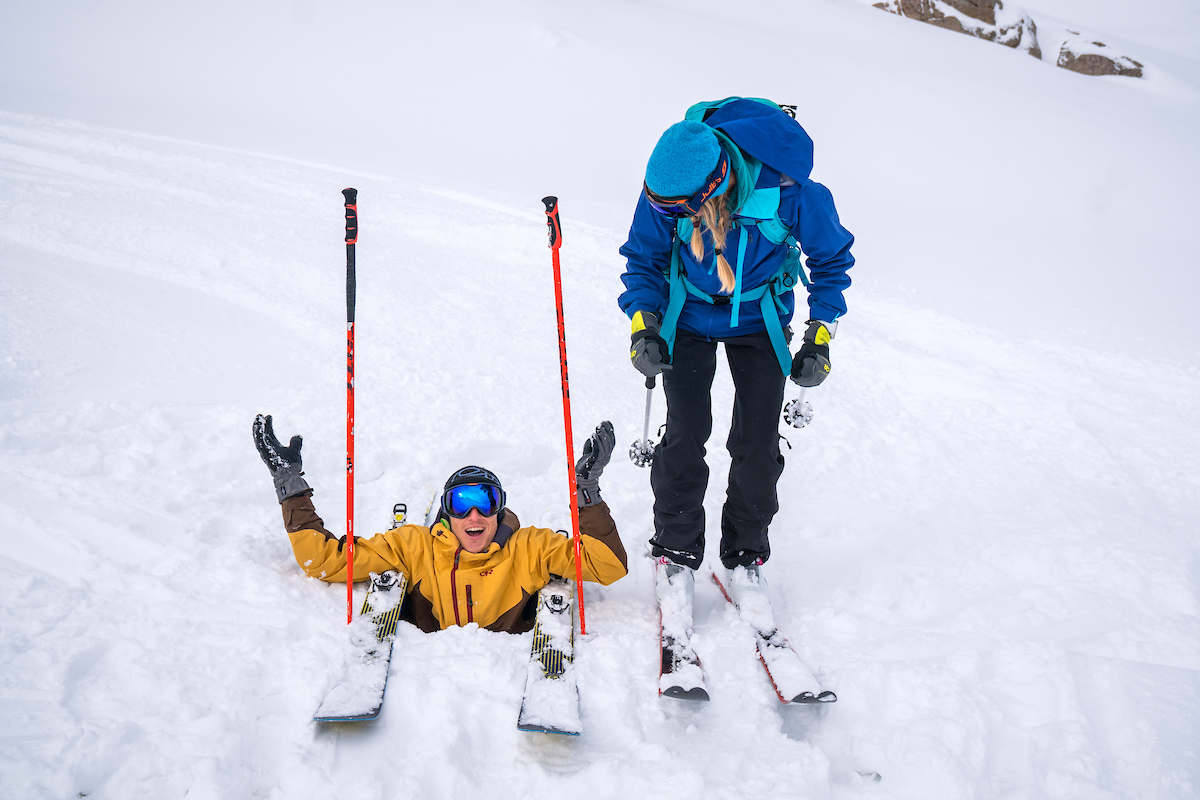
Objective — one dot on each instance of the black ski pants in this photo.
(679, 474)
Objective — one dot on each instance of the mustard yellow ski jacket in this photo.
(448, 585)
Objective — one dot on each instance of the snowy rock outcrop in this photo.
(977, 18)
(1078, 54)
(990, 20)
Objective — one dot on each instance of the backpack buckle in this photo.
(721, 299)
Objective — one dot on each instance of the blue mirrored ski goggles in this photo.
(484, 497)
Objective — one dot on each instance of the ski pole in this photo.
(351, 196)
(649, 397)
(641, 452)
(555, 228)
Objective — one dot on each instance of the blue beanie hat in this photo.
(683, 159)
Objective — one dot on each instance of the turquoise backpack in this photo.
(757, 207)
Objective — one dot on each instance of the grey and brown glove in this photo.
(283, 462)
(811, 362)
(648, 350)
(597, 451)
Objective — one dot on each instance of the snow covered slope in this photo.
(994, 187)
(987, 537)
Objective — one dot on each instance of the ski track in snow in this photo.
(986, 545)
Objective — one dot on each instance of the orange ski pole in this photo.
(555, 226)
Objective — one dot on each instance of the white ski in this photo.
(792, 679)
(551, 700)
(680, 673)
(358, 694)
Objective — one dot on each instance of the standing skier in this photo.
(476, 564)
(713, 256)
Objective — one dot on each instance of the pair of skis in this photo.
(682, 676)
(550, 703)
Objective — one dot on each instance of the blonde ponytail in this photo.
(716, 218)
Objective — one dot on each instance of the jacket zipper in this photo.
(454, 585)
(470, 605)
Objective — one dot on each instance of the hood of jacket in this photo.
(768, 135)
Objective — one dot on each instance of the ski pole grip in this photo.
(552, 221)
(351, 196)
(650, 382)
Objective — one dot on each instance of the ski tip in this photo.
(546, 729)
(348, 718)
(679, 693)
(808, 698)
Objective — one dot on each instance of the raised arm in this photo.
(319, 552)
(604, 558)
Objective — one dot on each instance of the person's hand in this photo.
(283, 462)
(647, 349)
(811, 362)
(597, 451)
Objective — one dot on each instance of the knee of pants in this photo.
(686, 440)
(762, 448)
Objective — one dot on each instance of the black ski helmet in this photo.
(466, 476)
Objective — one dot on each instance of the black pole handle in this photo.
(650, 382)
(552, 221)
(351, 196)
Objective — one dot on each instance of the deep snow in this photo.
(987, 542)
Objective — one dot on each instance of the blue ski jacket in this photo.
(805, 207)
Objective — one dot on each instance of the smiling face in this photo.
(475, 531)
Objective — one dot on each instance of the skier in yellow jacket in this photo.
(476, 564)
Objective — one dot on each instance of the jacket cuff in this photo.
(596, 522)
(299, 515)
(823, 311)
